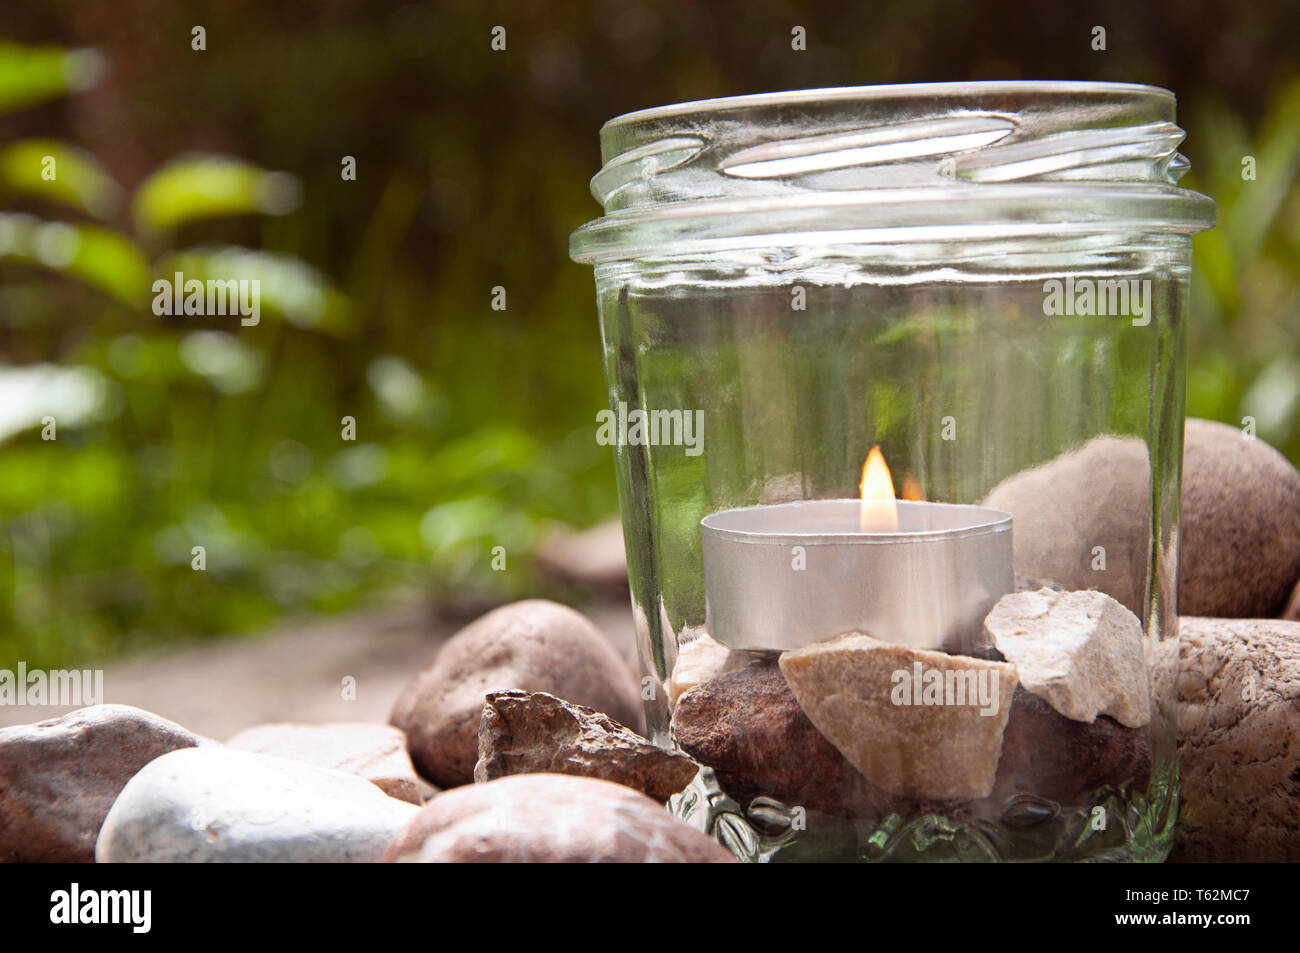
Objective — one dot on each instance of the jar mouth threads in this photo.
(794, 167)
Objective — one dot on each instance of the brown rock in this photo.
(534, 646)
(1097, 495)
(549, 818)
(747, 726)
(1047, 754)
(1240, 525)
(523, 733)
(58, 778)
(1239, 739)
(374, 752)
(902, 739)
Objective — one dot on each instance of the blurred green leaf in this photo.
(31, 75)
(287, 286)
(59, 172)
(96, 256)
(211, 186)
(223, 359)
(472, 526)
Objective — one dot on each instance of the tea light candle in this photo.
(910, 572)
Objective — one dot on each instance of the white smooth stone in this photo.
(214, 805)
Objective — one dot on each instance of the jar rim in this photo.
(792, 97)
(903, 162)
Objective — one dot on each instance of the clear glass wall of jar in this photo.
(988, 282)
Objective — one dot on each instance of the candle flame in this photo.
(879, 509)
(912, 489)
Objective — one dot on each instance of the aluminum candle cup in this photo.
(784, 576)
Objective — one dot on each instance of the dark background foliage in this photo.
(474, 425)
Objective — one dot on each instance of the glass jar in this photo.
(987, 282)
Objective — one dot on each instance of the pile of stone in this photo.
(544, 777)
(560, 780)
(524, 740)
(859, 727)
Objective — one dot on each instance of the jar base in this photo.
(1114, 827)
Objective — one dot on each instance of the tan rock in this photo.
(913, 721)
(1239, 740)
(1080, 651)
(549, 818)
(698, 660)
(535, 646)
(537, 733)
(374, 752)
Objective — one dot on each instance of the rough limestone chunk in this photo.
(1079, 651)
(917, 744)
(537, 733)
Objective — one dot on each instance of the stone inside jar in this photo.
(855, 727)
